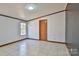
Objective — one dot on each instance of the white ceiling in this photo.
(18, 9)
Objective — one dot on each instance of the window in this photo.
(23, 28)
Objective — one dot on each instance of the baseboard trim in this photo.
(48, 41)
(32, 39)
(12, 42)
(57, 42)
(68, 45)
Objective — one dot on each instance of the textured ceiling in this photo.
(18, 9)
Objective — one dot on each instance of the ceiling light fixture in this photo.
(31, 6)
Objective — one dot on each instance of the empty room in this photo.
(39, 29)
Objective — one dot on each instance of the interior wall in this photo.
(72, 28)
(56, 27)
(33, 29)
(9, 30)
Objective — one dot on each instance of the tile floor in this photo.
(34, 48)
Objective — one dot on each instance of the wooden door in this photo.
(43, 30)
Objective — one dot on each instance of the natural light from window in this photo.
(23, 28)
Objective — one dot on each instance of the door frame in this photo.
(40, 28)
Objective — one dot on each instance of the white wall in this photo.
(33, 29)
(9, 30)
(56, 27)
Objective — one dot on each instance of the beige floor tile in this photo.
(34, 48)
